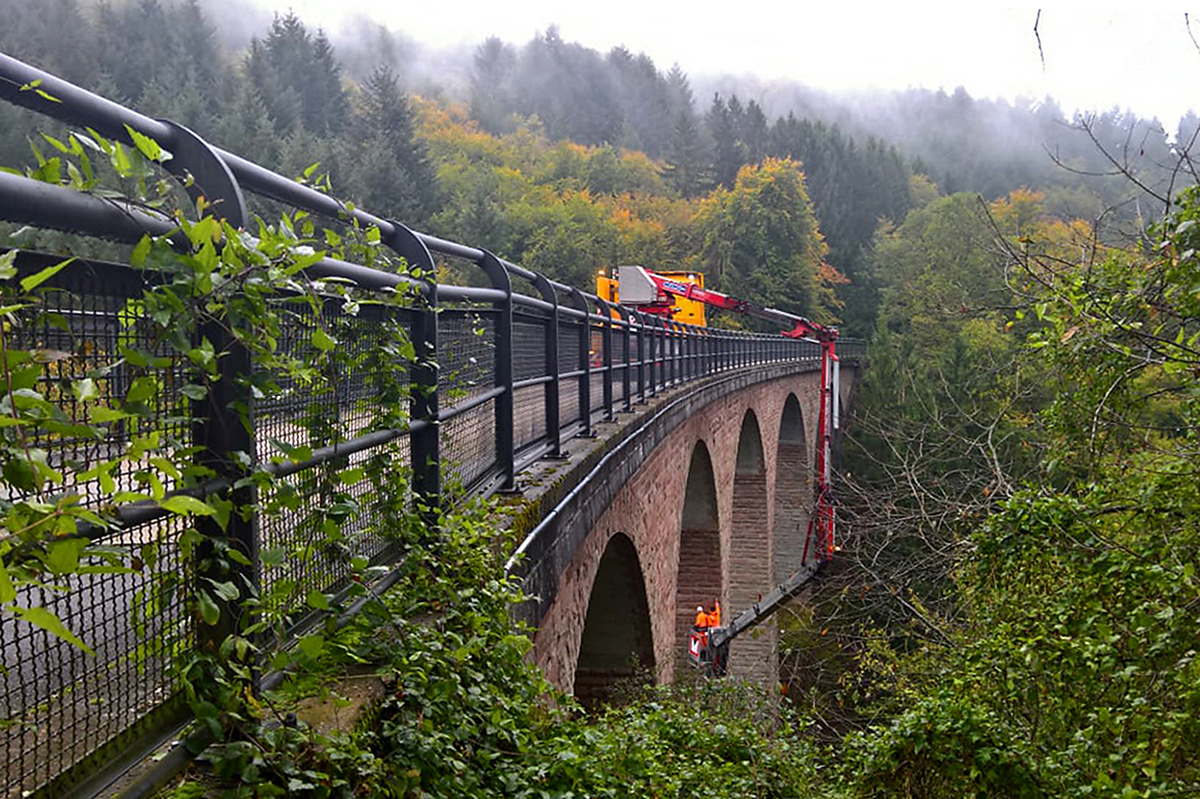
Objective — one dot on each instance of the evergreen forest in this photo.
(1015, 609)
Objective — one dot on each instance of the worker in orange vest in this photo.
(714, 615)
(701, 618)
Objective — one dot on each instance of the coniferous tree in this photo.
(570, 89)
(645, 98)
(728, 152)
(687, 169)
(389, 167)
(198, 57)
(246, 127)
(298, 78)
(491, 75)
(326, 107)
(282, 101)
(54, 34)
(754, 132)
(143, 48)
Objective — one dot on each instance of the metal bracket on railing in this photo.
(227, 440)
(553, 395)
(497, 272)
(425, 440)
(675, 337)
(606, 338)
(211, 180)
(639, 319)
(627, 367)
(579, 299)
(655, 326)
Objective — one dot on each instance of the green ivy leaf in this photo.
(102, 414)
(311, 645)
(237, 556)
(225, 590)
(222, 509)
(8, 591)
(40, 617)
(85, 389)
(8, 269)
(148, 146)
(120, 160)
(350, 476)
(322, 340)
(185, 505)
(140, 251)
(35, 280)
(210, 613)
(62, 557)
(318, 600)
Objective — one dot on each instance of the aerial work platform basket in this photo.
(709, 651)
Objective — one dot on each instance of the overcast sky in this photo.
(1137, 56)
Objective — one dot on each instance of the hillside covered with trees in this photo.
(1014, 609)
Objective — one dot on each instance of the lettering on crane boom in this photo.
(674, 286)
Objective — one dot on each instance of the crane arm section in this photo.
(655, 293)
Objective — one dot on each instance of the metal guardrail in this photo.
(501, 379)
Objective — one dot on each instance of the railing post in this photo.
(585, 345)
(606, 342)
(553, 395)
(668, 354)
(505, 438)
(626, 376)
(652, 350)
(424, 443)
(223, 421)
(694, 352)
(672, 352)
(641, 348)
(676, 353)
(689, 343)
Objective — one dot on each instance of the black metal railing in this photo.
(501, 379)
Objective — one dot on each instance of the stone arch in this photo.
(750, 570)
(698, 570)
(616, 644)
(750, 449)
(793, 491)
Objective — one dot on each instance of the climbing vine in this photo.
(207, 289)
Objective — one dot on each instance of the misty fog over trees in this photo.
(567, 159)
(1013, 609)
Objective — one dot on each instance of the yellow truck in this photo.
(688, 311)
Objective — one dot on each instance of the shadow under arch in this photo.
(617, 645)
(793, 492)
(698, 569)
(750, 571)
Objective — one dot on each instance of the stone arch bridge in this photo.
(664, 464)
(706, 493)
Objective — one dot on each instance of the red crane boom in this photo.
(656, 294)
